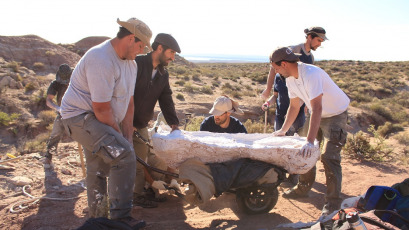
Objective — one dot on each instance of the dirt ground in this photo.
(68, 209)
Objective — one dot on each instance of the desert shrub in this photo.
(180, 82)
(236, 94)
(196, 77)
(389, 128)
(38, 144)
(227, 86)
(15, 66)
(29, 86)
(359, 146)
(47, 116)
(186, 78)
(381, 110)
(257, 126)
(402, 138)
(194, 123)
(206, 90)
(38, 66)
(354, 104)
(188, 87)
(49, 53)
(215, 83)
(6, 119)
(180, 96)
(180, 70)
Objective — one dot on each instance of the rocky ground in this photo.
(55, 198)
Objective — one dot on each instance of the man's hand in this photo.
(174, 184)
(265, 106)
(159, 185)
(279, 133)
(174, 127)
(306, 149)
(265, 94)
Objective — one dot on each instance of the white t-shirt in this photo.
(100, 76)
(313, 81)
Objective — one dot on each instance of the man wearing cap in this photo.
(328, 106)
(152, 86)
(221, 121)
(97, 111)
(314, 37)
(56, 88)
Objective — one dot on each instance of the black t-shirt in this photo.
(235, 126)
(58, 89)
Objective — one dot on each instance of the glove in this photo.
(174, 184)
(159, 185)
(306, 149)
(265, 106)
(278, 133)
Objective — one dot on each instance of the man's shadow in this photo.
(56, 214)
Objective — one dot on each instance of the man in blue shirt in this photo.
(221, 121)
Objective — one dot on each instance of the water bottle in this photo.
(355, 221)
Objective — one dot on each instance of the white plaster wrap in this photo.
(209, 147)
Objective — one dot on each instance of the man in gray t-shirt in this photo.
(97, 111)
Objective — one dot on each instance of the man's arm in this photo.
(50, 102)
(315, 119)
(292, 114)
(270, 82)
(127, 123)
(103, 112)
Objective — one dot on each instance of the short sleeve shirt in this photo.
(283, 101)
(313, 81)
(306, 57)
(235, 126)
(58, 89)
(100, 76)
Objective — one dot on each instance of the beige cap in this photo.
(139, 29)
(318, 31)
(225, 104)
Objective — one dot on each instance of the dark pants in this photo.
(55, 137)
(108, 155)
(332, 134)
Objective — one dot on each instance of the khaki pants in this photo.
(108, 155)
(332, 134)
(146, 154)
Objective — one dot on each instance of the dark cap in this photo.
(316, 30)
(64, 74)
(284, 54)
(167, 40)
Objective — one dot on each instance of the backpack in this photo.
(380, 198)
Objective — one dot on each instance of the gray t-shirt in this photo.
(100, 76)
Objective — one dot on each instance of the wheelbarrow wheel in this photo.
(257, 200)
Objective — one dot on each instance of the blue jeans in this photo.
(298, 124)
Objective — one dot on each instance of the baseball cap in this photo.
(64, 74)
(167, 40)
(316, 30)
(284, 54)
(225, 104)
(139, 29)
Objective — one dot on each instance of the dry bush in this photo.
(47, 116)
(402, 138)
(180, 97)
(194, 123)
(38, 144)
(6, 119)
(15, 66)
(206, 90)
(389, 128)
(38, 66)
(257, 126)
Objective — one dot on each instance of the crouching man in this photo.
(97, 111)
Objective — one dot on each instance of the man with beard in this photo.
(152, 85)
(314, 37)
(328, 106)
(221, 121)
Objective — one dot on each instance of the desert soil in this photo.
(68, 211)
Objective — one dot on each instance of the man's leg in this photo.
(334, 134)
(141, 151)
(105, 148)
(55, 137)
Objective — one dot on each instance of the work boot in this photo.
(132, 222)
(143, 202)
(294, 193)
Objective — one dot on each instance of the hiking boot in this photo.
(328, 209)
(132, 222)
(151, 195)
(294, 193)
(143, 202)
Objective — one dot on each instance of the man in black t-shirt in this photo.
(56, 88)
(221, 121)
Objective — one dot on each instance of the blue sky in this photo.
(374, 30)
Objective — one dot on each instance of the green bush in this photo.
(381, 110)
(194, 123)
(196, 77)
(389, 128)
(206, 90)
(180, 96)
(6, 119)
(38, 144)
(180, 82)
(257, 127)
(188, 87)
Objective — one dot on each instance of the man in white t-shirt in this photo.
(328, 106)
(97, 111)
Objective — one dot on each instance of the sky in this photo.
(367, 30)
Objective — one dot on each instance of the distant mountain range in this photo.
(224, 58)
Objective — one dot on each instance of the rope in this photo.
(33, 200)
